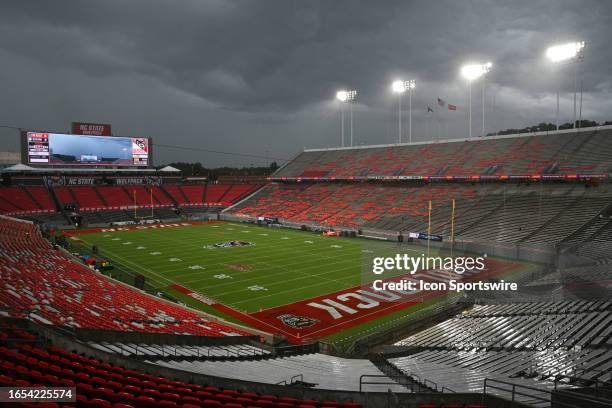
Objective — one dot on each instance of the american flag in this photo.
(452, 107)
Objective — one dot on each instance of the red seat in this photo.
(212, 403)
(263, 403)
(166, 403)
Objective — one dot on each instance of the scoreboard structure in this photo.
(61, 150)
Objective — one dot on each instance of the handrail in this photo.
(291, 380)
(388, 377)
(517, 390)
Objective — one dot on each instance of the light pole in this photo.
(399, 87)
(346, 97)
(471, 73)
(567, 53)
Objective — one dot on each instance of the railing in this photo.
(389, 381)
(292, 380)
(197, 352)
(516, 392)
(601, 389)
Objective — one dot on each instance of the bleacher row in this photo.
(100, 384)
(46, 286)
(324, 371)
(532, 344)
(508, 213)
(38, 199)
(517, 331)
(556, 153)
(204, 352)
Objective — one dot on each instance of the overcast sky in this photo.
(259, 76)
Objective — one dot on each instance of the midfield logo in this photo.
(297, 322)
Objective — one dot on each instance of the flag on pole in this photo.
(452, 107)
(441, 102)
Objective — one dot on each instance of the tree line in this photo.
(545, 127)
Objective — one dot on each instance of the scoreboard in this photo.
(59, 149)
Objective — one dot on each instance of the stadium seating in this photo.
(25, 200)
(176, 350)
(85, 196)
(557, 153)
(506, 213)
(117, 196)
(48, 287)
(327, 372)
(532, 344)
(218, 195)
(112, 199)
(101, 384)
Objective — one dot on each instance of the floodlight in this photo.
(565, 52)
(402, 86)
(398, 87)
(346, 97)
(475, 71)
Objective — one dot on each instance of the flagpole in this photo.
(428, 228)
(453, 228)
(580, 117)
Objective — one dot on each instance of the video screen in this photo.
(79, 150)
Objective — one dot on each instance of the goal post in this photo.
(144, 214)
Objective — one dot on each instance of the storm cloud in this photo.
(259, 77)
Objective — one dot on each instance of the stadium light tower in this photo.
(471, 73)
(399, 87)
(567, 53)
(346, 97)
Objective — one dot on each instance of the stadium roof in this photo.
(22, 168)
(169, 169)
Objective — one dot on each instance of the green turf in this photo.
(282, 267)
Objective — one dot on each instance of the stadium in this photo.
(471, 272)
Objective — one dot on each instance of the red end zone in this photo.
(309, 319)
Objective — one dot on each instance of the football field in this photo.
(274, 267)
(275, 279)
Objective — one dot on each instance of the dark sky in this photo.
(260, 76)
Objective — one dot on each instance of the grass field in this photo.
(279, 267)
(283, 266)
